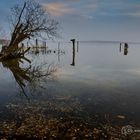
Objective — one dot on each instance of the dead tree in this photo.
(28, 21)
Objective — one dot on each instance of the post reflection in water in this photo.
(30, 76)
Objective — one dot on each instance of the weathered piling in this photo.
(73, 54)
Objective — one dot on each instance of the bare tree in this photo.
(29, 20)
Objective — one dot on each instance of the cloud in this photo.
(71, 8)
(92, 6)
(134, 14)
(89, 10)
(58, 9)
(87, 17)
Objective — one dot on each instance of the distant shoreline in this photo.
(94, 41)
(116, 42)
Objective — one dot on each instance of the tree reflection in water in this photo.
(31, 76)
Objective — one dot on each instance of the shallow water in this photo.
(100, 79)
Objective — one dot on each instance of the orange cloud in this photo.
(58, 9)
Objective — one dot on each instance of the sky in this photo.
(108, 20)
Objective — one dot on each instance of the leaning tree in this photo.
(27, 21)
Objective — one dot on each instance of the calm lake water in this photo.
(100, 79)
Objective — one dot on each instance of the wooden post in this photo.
(58, 51)
(36, 42)
(120, 47)
(73, 54)
(37, 51)
(125, 48)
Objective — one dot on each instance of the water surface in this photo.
(95, 81)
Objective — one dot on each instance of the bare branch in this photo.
(28, 21)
